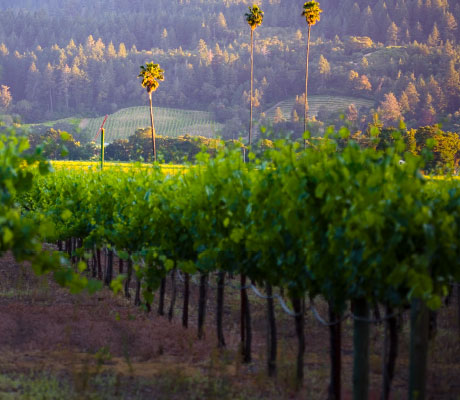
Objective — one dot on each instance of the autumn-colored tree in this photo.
(434, 37)
(279, 116)
(452, 86)
(363, 83)
(413, 98)
(5, 97)
(254, 19)
(311, 12)
(390, 109)
(324, 69)
(151, 74)
(392, 34)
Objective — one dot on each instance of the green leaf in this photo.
(7, 235)
(65, 136)
(66, 215)
(117, 284)
(82, 266)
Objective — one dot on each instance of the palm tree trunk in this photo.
(153, 129)
(306, 85)
(252, 87)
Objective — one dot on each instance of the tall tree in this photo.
(392, 34)
(151, 74)
(390, 109)
(254, 19)
(311, 12)
(5, 97)
(324, 69)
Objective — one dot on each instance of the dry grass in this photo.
(55, 345)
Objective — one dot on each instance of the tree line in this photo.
(57, 144)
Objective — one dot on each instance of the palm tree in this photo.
(254, 18)
(311, 12)
(151, 74)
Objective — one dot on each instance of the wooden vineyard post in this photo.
(102, 147)
(102, 130)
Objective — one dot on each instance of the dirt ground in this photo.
(55, 345)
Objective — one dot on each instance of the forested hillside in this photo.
(61, 58)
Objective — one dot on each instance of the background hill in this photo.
(65, 58)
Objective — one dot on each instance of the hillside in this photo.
(168, 122)
(329, 103)
(83, 58)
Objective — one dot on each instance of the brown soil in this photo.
(45, 329)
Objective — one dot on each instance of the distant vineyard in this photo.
(168, 122)
(331, 103)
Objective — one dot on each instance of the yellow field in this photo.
(167, 169)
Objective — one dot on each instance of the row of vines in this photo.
(18, 233)
(355, 228)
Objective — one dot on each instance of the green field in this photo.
(167, 169)
(331, 103)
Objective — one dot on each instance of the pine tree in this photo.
(439, 99)
(434, 37)
(295, 117)
(279, 116)
(452, 87)
(324, 67)
(390, 109)
(32, 82)
(404, 103)
(111, 52)
(122, 52)
(412, 96)
(392, 34)
(5, 98)
(3, 50)
(49, 84)
(449, 25)
(428, 113)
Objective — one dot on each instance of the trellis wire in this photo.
(281, 301)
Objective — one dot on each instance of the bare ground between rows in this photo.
(43, 328)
